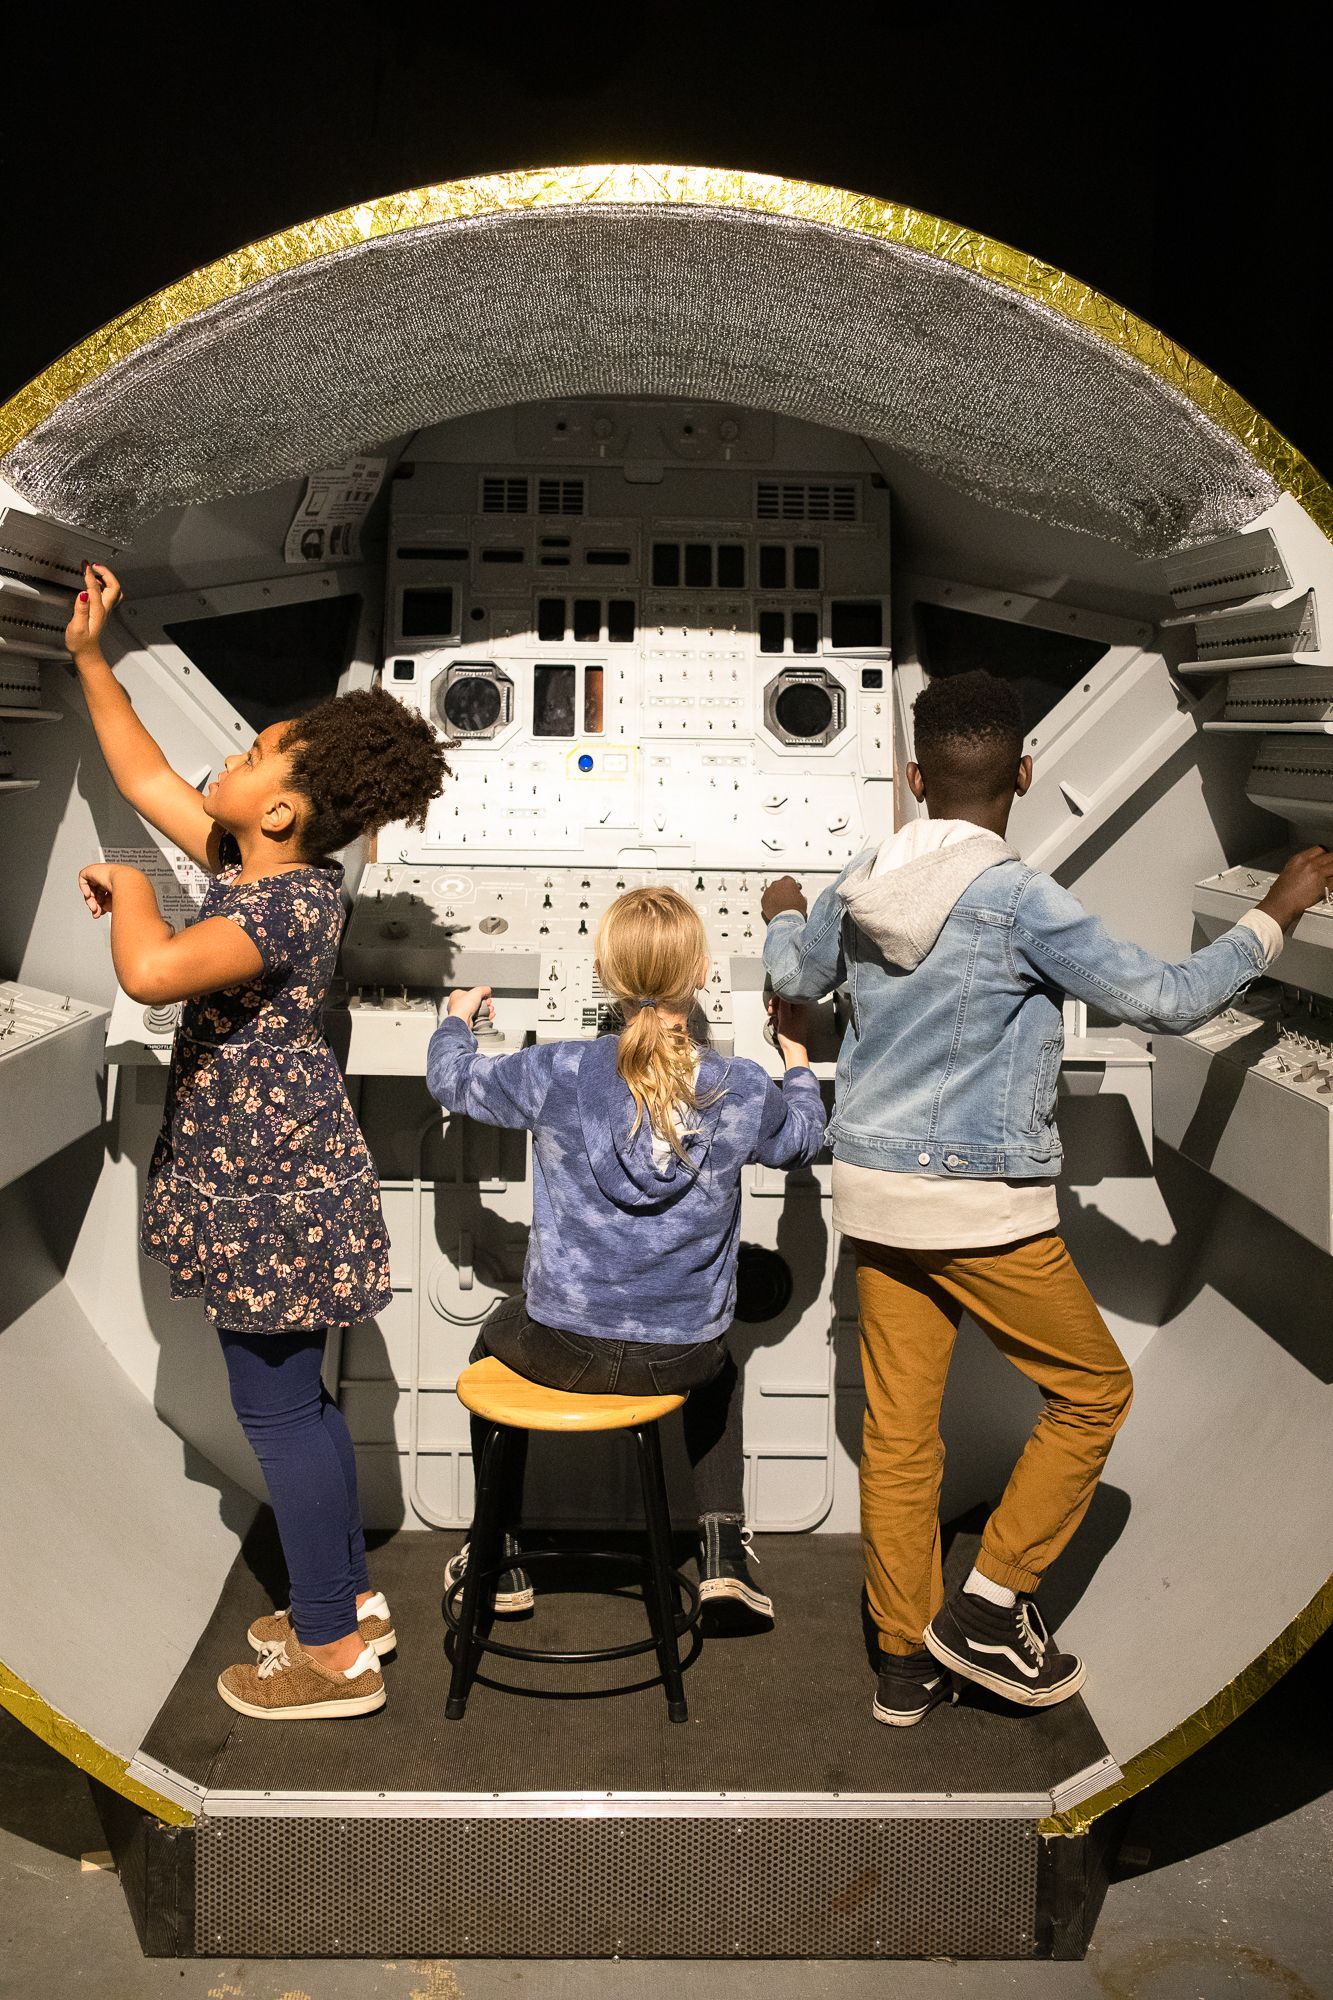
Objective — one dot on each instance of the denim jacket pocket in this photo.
(1044, 1088)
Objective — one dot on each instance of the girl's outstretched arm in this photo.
(496, 1090)
(140, 772)
(153, 963)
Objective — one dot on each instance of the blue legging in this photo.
(300, 1437)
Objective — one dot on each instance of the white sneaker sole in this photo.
(1047, 1697)
(308, 1711)
(506, 1601)
(898, 1718)
(379, 1647)
(729, 1589)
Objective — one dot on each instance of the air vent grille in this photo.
(20, 682)
(41, 552)
(503, 495)
(1272, 630)
(1227, 571)
(807, 500)
(560, 496)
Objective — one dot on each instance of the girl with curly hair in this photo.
(262, 1196)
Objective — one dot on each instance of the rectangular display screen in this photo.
(553, 701)
(592, 701)
(428, 614)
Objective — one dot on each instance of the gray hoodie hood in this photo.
(903, 909)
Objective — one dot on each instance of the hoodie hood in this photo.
(903, 895)
(623, 1166)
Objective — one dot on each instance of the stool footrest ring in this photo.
(533, 1559)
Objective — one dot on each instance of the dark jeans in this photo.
(300, 1437)
(702, 1371)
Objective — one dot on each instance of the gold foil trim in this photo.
(492, 195)
(1207, 1722)
(84, 1750)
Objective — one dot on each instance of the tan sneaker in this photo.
(292, 1687)
(374, 1622)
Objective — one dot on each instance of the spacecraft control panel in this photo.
(681, 680)
(1249, 1096)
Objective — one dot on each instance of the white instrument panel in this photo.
(618, 673)
(50, 1070)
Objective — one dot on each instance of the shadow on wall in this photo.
(1223, 766)
(1220, 1242)
(73, 814)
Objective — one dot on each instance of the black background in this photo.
(1170, 167)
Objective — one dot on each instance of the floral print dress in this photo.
(261, 1193)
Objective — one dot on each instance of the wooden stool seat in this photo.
(496, 1393)
(508, 1403)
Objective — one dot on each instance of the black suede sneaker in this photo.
(909, 1686)
(725, 1582)
(1007, 1650)
(513, 1587)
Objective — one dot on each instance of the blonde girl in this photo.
(639, 1139)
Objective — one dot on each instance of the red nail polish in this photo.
(83, 597)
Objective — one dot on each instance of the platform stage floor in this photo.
(783, 1711)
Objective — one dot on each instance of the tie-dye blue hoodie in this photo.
(621, 1248)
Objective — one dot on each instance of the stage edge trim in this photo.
(1206, 1722)
(83, 1750)
(629, 185)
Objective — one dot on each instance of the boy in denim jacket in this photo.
(957, 958)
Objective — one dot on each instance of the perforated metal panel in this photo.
(991, 391)
(578, 1887)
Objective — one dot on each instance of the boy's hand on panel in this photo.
(467, 1003)
(784, 894)
(92, 607)
(791, 1031)
(1306, 880)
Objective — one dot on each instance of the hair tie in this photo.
(646, 1001)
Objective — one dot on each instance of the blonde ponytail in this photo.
(651, 946)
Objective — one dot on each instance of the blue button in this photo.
(585, 762)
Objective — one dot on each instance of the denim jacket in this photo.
(950, 1062)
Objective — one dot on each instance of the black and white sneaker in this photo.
(1006, 1649)
(724, 1569)
(513, 1587)
(909, 1686)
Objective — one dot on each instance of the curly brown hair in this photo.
(361, 760)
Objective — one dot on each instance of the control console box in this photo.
(1249, 1097)
(1220, 901)
(50, 1064)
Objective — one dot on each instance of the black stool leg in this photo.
(483, 1553)
(661, 1591)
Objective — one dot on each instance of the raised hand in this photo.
(467, 1003)
(784, 894)
(1306, 880)
(92, 607)
(97, 883)
(791, 1030)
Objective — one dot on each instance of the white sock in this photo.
(978, 1585)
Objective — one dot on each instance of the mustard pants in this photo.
(1031, 1302)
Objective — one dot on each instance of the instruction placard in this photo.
(181, 884)
(327, 525)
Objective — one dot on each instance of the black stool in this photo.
(509, 1403)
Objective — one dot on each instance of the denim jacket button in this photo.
(923, 1159)
(954, 1161)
